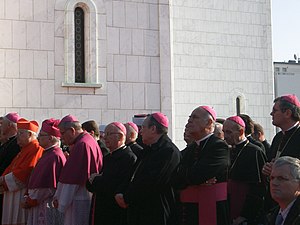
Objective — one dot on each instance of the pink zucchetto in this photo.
(50, 126)
(69, 118)
(291, 99)
(161, 118)
(134, 126)
(237, 120)
(13, 117)
(210, 110)
(120, 126)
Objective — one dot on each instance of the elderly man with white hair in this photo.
(204, 160)
(72, 198)
(14, 179)
(115, 173)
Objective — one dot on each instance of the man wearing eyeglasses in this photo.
(72, 198)
(43, 180)
(285, 190)
(285, 115)
(14, 180)
(116, 171)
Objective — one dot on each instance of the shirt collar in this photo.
(202, 139)
(285, 212)
(296, 124)
(244, 139)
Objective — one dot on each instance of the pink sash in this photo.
(206, 196)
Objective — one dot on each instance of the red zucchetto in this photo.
(28, 125)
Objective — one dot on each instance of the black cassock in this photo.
(286, 144)
(8, 152)
(149, 194)
(200, 163)
(116, 171)
(247, 187)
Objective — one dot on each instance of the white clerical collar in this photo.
(285, 212)
(202, 139)
(295, 125)
(50, 147)
(244, 139)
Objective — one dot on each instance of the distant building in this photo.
(287, 77)
(107, 60)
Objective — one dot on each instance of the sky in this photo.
(286, 29)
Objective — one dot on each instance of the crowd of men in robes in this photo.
(69, 173)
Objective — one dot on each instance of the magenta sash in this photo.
(206, 196)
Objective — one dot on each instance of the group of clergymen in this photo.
(227, 174)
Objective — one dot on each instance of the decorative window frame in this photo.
(91, 43)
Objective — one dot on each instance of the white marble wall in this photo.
(153, 55)
(33, 66)
(222, 50)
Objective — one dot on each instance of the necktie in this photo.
(279, 219)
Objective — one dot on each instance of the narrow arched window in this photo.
(79, 45)
(238, 105)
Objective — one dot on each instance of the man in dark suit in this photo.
(203, 161)
(285, 190)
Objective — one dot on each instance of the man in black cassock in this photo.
(149, 195)
(285, 115)
(246, 187)
(131, 136)
(206, 158)
(117, 166)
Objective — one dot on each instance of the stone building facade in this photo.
(140, 56)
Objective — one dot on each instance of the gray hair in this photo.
(66, 125)
(292, 163)
(10, 122)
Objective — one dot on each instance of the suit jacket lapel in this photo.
(294, 213)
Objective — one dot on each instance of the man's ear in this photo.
(131, 135)
(288, 112)
(72, 130)
(209, 122)
(153, 129)
(241, 131)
